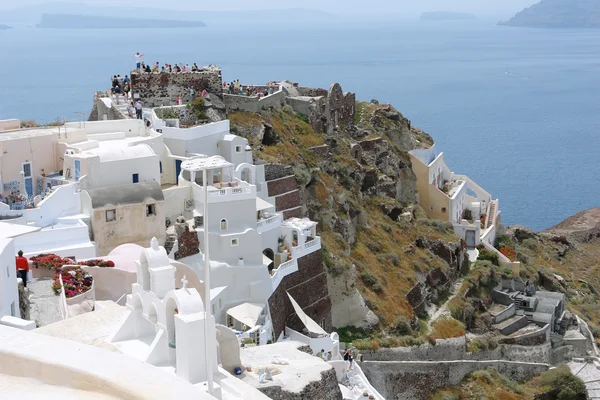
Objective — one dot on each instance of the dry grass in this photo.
(446, 329)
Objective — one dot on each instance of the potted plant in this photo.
(281, 242)
(365, 394)
(43, 173)
(371, 397)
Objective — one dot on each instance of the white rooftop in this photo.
(109, 154)
(8, 230)
(27, 133)
(301, 224)
(205, 163)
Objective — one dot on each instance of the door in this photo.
(28, 178)
(470, 239)
(77, 169)
(136, 178)
(177, 170)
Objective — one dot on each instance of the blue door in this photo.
(29, 186)
(177, 170)
(77, 169)
(136, 178)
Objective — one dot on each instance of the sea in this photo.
(516, 109)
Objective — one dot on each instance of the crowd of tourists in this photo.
(121, 86)
(236, 88)
(165, 68)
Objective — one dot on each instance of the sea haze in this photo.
(515, 109)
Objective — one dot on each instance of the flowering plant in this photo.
(75, 281)
(98, 263)
(509, 252)
(50, 261)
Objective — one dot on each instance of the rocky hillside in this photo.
(357, 182)
(559, 14)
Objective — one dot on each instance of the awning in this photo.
(311, 325)
(262, 204)
(247, 313)
(267, 261)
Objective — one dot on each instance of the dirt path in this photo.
(437, 313)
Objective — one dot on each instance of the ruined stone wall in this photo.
(455, 349)
(311, 92)
(325, 389)
(415, 380)
(308, 287)
(156, 89)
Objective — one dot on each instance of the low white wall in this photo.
(104, 373)
(111, 283)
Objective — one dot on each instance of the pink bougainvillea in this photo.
(75, 281)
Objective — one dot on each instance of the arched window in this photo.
(160, 166)
(223, 224)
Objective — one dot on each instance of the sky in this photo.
(340, 7)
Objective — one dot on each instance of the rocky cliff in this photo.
(558, 14)
(357, 182)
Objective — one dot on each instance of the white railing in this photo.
(282, 271)
(274, 220)
(230, 190)
(307, 248)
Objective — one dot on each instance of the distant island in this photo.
(67, 21)
(4, 27)
(558, 14)
(445, 16)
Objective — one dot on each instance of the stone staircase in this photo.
(490, 218)
(589, 372)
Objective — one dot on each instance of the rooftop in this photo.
(122, 152)
(134, 193)
(8, 230)
(301, 224)
(205, 163)
(27, 133)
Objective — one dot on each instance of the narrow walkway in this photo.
(45, 305)
(589, 372)
(357, 384)
(437, 313)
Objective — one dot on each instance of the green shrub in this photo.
(368, 279)
(378, 288)
(167, 113)
(303, 117)
(288, 109)
(569, 386)
(402, 327)
(486, 255)
(197, 108)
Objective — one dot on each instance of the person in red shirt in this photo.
(22, 267)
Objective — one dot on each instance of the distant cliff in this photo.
(445, 16)
(4, 27)
(65, 21)
(559, 14)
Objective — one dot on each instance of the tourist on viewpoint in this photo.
(22, 267)
(138, 60)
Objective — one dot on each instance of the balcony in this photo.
(238, 190)
(310, 246)
(265, 224)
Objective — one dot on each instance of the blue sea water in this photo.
(515, 109)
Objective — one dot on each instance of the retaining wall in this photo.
(415, 380)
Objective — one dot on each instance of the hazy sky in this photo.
(490, 7)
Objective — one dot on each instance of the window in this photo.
(223, 224)
(135, 178)
(8, 271)
(238, 149)
(234, 242)
(111, 215)
(27, 169)
(150, 210)
(220, 303)
(160, 166)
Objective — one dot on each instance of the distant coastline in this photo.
(446, 16)
(558, 14)
(67, 21)
(5, 27)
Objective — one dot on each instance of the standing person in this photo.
(126, 91)
(329, 356)
(131, 110)
(127, 80)
(204, 93)
(138, 109)
(348, 359)
(138, 60)
(22, 267)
